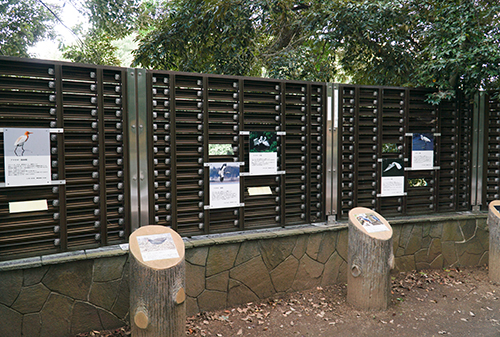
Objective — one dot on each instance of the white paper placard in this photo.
(28, 206)
(371, 223)
(157, 247)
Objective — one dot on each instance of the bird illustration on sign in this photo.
(393, 164)
(20, 141)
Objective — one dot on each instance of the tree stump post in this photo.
(157, 283)
(494, 251)
(370, 259)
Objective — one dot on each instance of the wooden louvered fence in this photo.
(130, 147)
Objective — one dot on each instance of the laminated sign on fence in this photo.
(27, 156)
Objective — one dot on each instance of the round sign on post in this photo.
(370, 259)
(157, 282)
(494, 250)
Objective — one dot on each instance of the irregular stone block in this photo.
(12, 280)
(342, 278)
(434, 250)
(195, 279)
(400, 251)
(191, 306)
(405, 236)
(426, 241)
(108, 320)
(332, 270)
(122, 303)
(452, 231)
(109, 269)
(300, 246)
(33, 276)
(405, 263)
(415, 241)
(276, 251)
(426, 229)
(421, 256)
(436, 230)
(248, 250)
(10, 321)
(469, 260)
(327, 247)
(308, 275)
(197, 256)
(218, 282)
(342, 240)
(422, 265)
(221, 258)
(85, 318)
(438, 262)
(31, 299)
(484, 259)
(283, 275)
(212, 300)
(70, 279)
(468, 228)
(239, 294)
(396, 233)
(449, 253)
(31, 325)
(56, 316)
(103, 294)
(483, 236)
(255, 276)
(313, 245)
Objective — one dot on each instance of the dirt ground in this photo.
(450, 302)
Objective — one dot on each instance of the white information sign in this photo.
(27, 156)
(262, 163)
(263, 153)
(157, 247)
(224, 185)
(371, 223)
(393, 180)
(422, 154)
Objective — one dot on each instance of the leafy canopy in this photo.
(22, 24)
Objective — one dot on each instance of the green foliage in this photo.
(96, 48)
(115, 18)
(442, 44)
(22, 24)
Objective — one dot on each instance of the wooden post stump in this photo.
(494, 251)
(370, 259)
(157, 283)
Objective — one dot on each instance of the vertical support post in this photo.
(478, 151)
(142, 142)
(133, 149)
(332, 153)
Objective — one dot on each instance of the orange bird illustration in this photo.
(21, 141)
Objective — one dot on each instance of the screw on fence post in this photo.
(494, 250)
(370, 259)
(157, 283)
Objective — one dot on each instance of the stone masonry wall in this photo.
(64, 294)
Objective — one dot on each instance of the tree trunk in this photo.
(157, 296)
(494, 251)
(370, 259)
